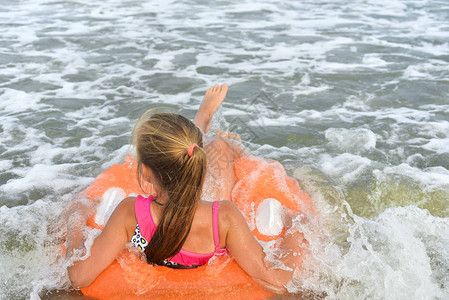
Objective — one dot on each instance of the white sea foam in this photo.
(433, 177)
(18, 101)
(31, 253)
(279, 121)
(346, 166)
(351, 140)
(58, 178)
(399, 254)
(5, 165)
(435, 129)
(438, 145)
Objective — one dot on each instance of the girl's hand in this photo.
(84, 209)
(79, 212)
(290, 217)
(287, 218)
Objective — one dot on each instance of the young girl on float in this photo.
(175, 228)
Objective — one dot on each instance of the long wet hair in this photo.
(162, 141)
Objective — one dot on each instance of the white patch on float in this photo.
(111, 198)
(269, 217)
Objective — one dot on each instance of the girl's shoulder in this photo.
(229, 213)
(228, 209)
(126, 210)
(126, 206)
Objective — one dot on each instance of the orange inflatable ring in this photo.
(259, 183)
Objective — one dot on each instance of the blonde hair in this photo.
(162, 141)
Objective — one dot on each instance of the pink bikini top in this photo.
(147, 229)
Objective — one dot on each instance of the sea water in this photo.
(352, 97)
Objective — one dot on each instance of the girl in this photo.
(175, 228)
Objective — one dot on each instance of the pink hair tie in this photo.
(190, 151)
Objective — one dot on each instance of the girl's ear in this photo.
(147, 174)
(148, 177)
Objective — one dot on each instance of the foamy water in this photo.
(352, 97)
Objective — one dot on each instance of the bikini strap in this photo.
(144, 218)
(215, 209)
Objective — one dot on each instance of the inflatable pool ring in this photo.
(261, 189)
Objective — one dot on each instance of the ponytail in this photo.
(163, 143)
